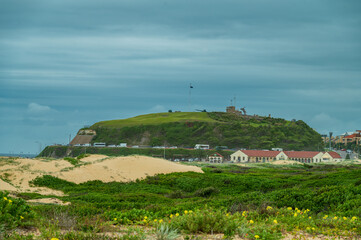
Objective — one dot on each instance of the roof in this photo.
(301, 154)
(334, 154)
(353, 135)
(260, 153)
(219, 155)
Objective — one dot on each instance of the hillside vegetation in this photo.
(215, 128)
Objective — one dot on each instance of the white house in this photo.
(215, 158)
(331, 157)
(257, 156)
(305, 156)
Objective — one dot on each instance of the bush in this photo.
(52, 182)
(206, 220)
(72, 161)
(13, 212)
(206, 192)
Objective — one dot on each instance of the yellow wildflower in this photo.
(313, 229)
(145, 220)
(275, 221)
(269, 208)
(160, 221)
(308, 228)
(190, 211)
(256, 236)
(289, 208)
(10, 201)
(155, 220)
(5, 198)
(145, 217)
(21, 217)
(353, 218)
(54, 239)
(171, 216)
(227, 214)
(295, 214)
(335, 218)
(296, 209)
(185, 212)
(177, 214)
(310, 217)
(251, 221)
(344, 218)
(115, 219)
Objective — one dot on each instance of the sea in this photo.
(22, 155)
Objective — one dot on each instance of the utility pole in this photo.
(189, 97)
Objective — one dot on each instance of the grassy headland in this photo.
(214, 128)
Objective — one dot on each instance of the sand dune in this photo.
(6, 186)
(124, 169)
(21, 171)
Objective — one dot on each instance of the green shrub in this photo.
(83, 155)
(13, 212)
(206, 192)
(51, 182)
(206, 220)
(72, 161)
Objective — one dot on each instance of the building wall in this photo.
(215, 159)
(239, 156)
(326, 157)
(316, 159)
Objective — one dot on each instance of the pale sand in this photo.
(6, 186)
(125, 169)
(49, 201)
(20, 171)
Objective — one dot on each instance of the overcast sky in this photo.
(65, 64)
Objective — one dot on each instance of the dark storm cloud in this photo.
(95, 60)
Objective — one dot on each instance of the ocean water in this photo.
(23, 155)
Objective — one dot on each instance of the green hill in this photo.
(185, 129)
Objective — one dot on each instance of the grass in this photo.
(156, 119)
(258, 201)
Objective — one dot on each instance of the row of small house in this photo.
(261, 156)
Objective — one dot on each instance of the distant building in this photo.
(305, 156)
(201, 146)
(331, 157)
(99, 144)
(257, 156)
(215, 158)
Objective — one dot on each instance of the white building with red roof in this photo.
(215, 158)
(305, 156)
(255, 156)
(331, 156)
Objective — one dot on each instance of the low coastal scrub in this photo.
(259, 202)
(13, 213)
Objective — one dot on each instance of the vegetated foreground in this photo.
(259, 201)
